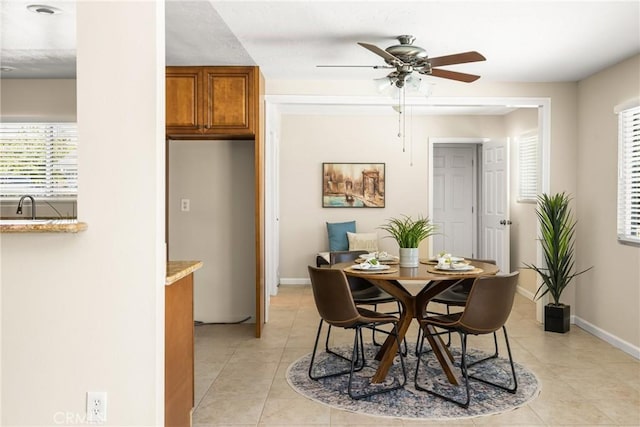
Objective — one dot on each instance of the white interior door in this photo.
(495, 203)
(454, 199)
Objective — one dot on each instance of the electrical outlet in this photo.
(97, 406)
(185, 205)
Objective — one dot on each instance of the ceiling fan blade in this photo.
(454, 75)
(458, 58)
(390, 59)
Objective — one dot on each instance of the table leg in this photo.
(389, 348)
(442, 353)
(411, 309)
(440, 350)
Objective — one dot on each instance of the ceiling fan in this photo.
(406, 58)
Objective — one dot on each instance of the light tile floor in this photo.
(240, 380)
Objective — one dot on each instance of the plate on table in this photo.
(456, 267)
(364, 267)
(381, 258)
(454, 259)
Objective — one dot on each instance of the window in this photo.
(629, 172)
(39, 159)
(528, 167)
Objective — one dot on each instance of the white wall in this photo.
(607, 297)
(83, 312)
(218, 178)
(523, 215)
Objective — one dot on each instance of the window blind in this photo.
(629, 175)
(39, 159)
(528, 167)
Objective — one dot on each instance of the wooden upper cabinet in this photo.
(211, 102)
(183, 100)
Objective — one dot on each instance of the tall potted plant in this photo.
(409, 233)
(557, 230)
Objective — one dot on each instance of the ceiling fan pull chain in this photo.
(402, 122)
(400, 104)
(404, 118)
(411, 136)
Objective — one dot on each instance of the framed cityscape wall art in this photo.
(353, 185)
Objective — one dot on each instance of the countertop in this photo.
(176, 270)
(42, 226)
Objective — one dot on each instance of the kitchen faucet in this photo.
(33, 206)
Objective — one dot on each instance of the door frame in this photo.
(275, 104)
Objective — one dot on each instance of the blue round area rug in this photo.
(407, 402)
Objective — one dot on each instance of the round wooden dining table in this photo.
(435, 281)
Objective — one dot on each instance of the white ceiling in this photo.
(524, 41)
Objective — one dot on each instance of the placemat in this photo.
(353, 270)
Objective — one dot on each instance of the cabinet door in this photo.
(183, 100)
(229, 101)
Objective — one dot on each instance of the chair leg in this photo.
(379, 391)
(463, 368)
(420, 335)
(356, 362)
(448, 332)
(493, 356)
(512, 389)
(328, 350)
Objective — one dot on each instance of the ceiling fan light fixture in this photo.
(383, 84)
(43, 9)
(418, 85)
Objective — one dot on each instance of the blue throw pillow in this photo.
(338, 235)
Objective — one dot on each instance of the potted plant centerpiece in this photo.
(557, 229)
(409, 233)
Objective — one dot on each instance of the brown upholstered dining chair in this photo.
(337, 308)
(456, 296)
(365, 292)
(487, 309)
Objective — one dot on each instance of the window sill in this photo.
(629, 242)
(42, 226)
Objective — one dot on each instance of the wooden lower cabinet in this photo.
(178, 367)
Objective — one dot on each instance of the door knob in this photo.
(505, 222)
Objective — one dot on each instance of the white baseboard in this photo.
(525, 293)
(606, 336)
(298, 282)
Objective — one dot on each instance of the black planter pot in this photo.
(556, 318)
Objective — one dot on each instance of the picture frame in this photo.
(353, 185)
